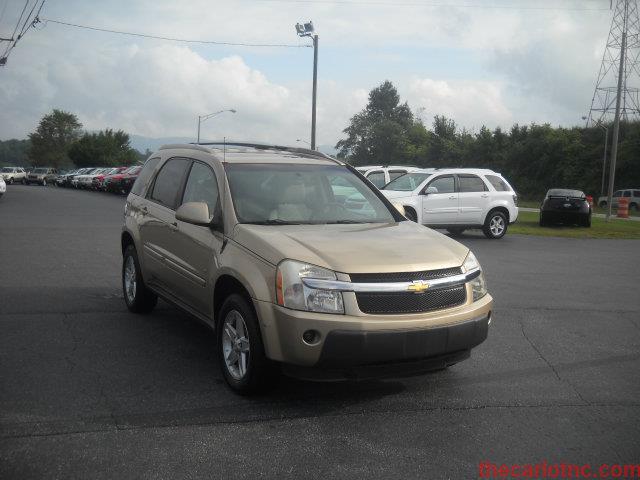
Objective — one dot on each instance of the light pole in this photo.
(604, 157)
(303, 141)
(307, 30)
(202, 118)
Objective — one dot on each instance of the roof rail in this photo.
(189, 146)
(268, 146)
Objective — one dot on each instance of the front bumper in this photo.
(346, 341)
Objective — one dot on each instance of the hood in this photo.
(393, 194)
(367, 248)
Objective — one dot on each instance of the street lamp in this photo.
(202, 118)
(307, 30)
(303, 141)
(604, 159)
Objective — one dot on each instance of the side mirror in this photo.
(196, 213)
(399, 207)
(430, 190)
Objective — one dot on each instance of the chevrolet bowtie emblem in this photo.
(418, 286)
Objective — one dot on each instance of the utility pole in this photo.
(307, 30)
(616, 122)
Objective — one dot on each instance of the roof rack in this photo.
(268, 146)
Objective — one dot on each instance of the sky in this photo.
(480, 62)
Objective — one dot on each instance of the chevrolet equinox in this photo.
(299, 264)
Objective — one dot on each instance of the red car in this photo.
(123, 181)
(98, 181)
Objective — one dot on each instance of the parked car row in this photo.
(106, 179)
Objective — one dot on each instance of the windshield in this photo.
(40, 170)
(407, 182)
(7, 170)
(303, 194)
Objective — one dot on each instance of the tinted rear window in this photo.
(563, 192)
(499, 184)
(168, 182)
(144, 176)
(471, 183)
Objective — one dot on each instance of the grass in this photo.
(527, 224)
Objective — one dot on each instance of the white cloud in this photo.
(471, 104)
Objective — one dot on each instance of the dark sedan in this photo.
(563, 206)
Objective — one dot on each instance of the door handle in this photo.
(452, 197)
(144, 210)
(484, 195)
(173, 226)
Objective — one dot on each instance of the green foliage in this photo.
(103, 149)
(14, 153)
(533, 158)
(51, 141)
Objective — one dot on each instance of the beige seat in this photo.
(292, 205)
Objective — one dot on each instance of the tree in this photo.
(103, 149)
(14, 153)
(382, 132)
(51, 141)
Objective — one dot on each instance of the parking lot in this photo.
(90, 390)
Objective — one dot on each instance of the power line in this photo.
(172, 39)
(369, 3)
(29, 21)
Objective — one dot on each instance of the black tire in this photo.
(542, 222)
(44, 182)
(10, 181)
(410, 213)
(633, 206)
(602, 204)
(456, 231)
(140, 299)
(586, 222)
(24, 182)
(495, 225)
(260, 373)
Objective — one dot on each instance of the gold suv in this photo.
(299, 264)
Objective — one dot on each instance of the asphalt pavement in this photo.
(89, 390)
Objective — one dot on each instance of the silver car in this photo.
(631, 194)
(13, 174)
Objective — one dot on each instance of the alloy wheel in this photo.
(235, 345)
(130, 284)
(496, 225)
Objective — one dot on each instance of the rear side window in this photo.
(627, 193)
(499, 184)
(144, 176)
(471, 183)
(168, 182)
(202, 187)
(636, 193)
(377, 178)
(618, 193)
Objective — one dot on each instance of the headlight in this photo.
(292, 293)
(478, 284)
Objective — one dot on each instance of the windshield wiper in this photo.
(274, 221)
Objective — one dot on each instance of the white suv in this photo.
(456, 199)
(381, 175)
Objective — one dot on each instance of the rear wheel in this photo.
(137, 296)
(24, 181)
(633, 206)
(543, 222)
(44, 182)
(455, 231)
(10, 181)
(586, 222)
(495, 225)
(243, 362)
(602, 204)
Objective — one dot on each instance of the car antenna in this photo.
(224, 149)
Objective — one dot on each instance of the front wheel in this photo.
(495, 226)
(24, 182)
(137, 296)
(10, 181)
(44, 182)
(243, 362)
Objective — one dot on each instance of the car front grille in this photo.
(399, 303)
(404, 276)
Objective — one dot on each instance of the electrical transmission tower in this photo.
(623, 44)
